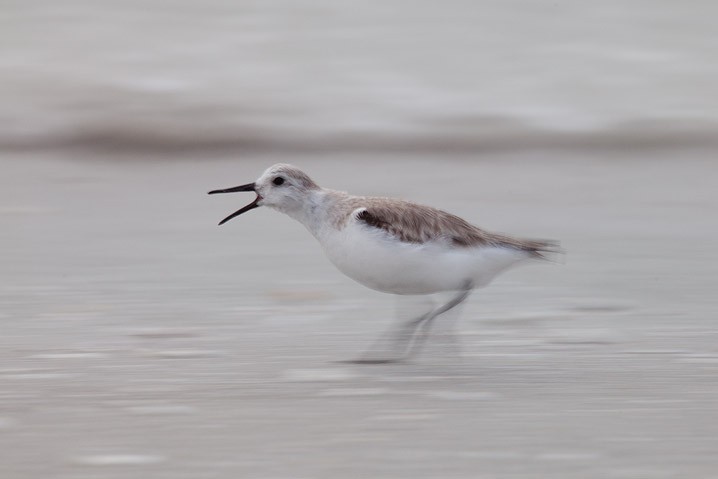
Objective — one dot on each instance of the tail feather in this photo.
(549, 250)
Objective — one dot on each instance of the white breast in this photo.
(373, 258)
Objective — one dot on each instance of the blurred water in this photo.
(320, 72)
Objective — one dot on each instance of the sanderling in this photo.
(392, 245)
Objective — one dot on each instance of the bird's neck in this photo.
(316, 211)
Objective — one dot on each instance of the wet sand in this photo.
(141, 340)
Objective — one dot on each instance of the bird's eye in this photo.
(278, 181)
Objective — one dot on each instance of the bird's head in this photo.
(283, 187)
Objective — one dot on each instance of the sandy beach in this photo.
(141, 340)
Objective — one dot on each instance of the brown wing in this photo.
(412, 223)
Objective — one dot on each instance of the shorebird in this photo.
(392, 245)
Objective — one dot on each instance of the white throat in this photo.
(312, 212)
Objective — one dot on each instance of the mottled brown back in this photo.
(413, 223)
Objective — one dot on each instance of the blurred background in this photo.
(328, 74)
(138, 339)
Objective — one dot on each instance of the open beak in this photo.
(251, 206)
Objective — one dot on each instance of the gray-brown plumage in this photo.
(414, 223)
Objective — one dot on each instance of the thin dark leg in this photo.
(428, 321)
(399, 340)
(403, 337)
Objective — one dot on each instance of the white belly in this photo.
(378, 262)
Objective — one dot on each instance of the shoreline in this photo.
(492, 136)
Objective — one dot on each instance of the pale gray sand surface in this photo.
(141, 340)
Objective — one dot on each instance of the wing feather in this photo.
(413, 223)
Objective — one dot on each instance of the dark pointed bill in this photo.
(251, 206)
(247, 187)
